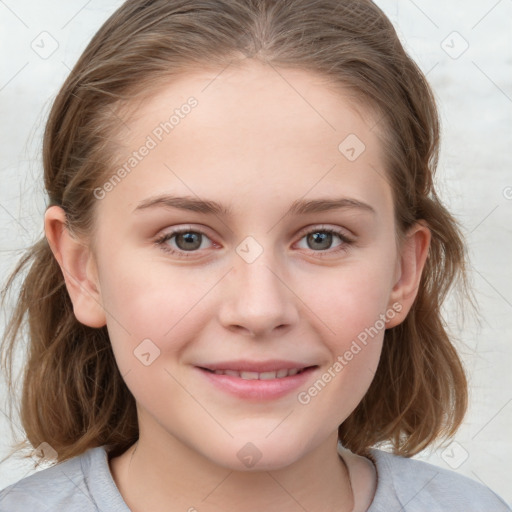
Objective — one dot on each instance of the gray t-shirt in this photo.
(85, 484)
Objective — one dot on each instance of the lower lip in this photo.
(258, 389)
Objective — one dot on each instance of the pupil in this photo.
(189, 238)
(321, 237)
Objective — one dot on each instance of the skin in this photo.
(254, 144)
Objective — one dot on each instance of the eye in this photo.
(186, 241)
(321, 238)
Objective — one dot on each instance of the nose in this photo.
(258, 301)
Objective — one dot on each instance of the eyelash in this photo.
(161, 241)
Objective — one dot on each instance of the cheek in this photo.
(149, 325)
(352, 309)
(352, 298)
(149, 301)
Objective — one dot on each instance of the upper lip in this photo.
(255, 366)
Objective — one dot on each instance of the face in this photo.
(254, 331)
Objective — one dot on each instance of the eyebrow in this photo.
(299, 207)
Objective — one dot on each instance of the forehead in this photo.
(251, 96)
(255, 129)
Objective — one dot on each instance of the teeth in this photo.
(279, 374)
(249, 375)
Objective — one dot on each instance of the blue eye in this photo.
(187, 242)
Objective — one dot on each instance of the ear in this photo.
(78, 267)
(412, 256)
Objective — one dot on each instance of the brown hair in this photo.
(73, 396)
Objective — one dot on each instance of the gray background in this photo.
(471, 73)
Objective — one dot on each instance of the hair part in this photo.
(73, 396)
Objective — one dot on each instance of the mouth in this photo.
(251, 375)
(261, 381)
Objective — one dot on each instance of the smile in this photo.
(279, 374)
(257, 381)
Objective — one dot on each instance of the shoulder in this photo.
(419, 486)
(83, 483)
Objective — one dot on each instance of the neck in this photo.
(160, 472)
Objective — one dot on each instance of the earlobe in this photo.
(78, 268)
(413, 255)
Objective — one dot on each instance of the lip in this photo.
(244, 365)
(259, 390)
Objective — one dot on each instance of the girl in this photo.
(238, 294)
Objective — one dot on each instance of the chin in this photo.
(264, 454)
